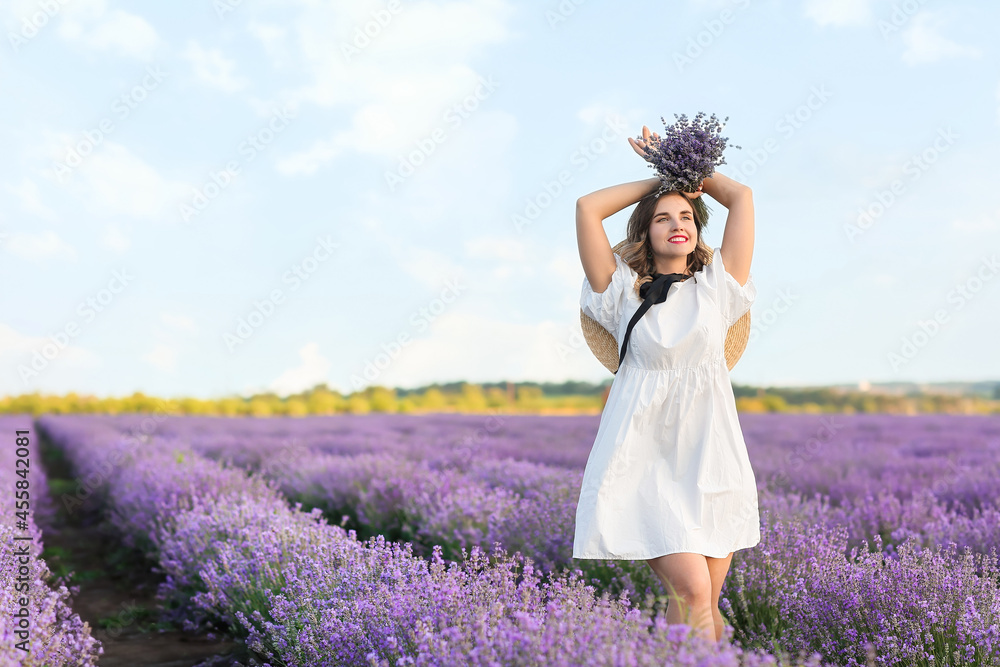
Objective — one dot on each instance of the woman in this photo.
(669, 480)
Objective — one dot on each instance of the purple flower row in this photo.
(304, 592)
(410, 485)
(56, 635)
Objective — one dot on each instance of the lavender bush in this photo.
(304, 592)
(856, 549)
(57, 636)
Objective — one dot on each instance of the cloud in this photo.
(496, 247)
(179, 322)
(115, 239)
(312, 371)
(839, 12)
(89, 24)
(308, 161)
(162, 357)
(430, 267)
(115, 181)
(37, 247)
(480, 349)
(400, 83)
(18, 352)
(925, 44)
(28, 195)
(213, 69)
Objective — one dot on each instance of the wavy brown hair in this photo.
(637, 252)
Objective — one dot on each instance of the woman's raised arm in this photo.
(591, 211)
(737, 238)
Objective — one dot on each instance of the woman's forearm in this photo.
(607, 201)
(723, 189)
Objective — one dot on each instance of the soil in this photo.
(117, 590)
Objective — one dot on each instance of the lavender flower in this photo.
(688, 152)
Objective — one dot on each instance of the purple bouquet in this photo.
(688, 152)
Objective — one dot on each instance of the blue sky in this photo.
(200, 198)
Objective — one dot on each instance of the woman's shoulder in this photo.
(710, 267)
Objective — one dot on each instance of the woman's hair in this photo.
(637, 253)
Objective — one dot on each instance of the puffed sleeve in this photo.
(606, 307)
(734, 299)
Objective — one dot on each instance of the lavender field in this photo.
(446, 540)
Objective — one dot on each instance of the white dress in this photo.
(669, 470)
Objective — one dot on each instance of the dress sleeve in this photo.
(606, 307)
(734, 299)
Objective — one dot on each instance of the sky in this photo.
(235, 196)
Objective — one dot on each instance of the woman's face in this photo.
(672, 231)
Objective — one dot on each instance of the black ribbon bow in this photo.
(651, 292)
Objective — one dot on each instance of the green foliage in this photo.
(507, 398)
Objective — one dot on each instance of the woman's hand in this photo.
(640, 146)
(697, 193)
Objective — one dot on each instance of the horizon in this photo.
(262, 197)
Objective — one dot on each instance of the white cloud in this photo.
(496, 247)
(597, 114)
(925, 44)
(28, 194)
(88, 23)
(272, 37)
(114, 181)
(427, 266)
(312, 371)
(36, 247)
(115, 239)
(311, 159)
(162, 357)
(839, 12)
(402, 83)
(17, 351)
(479, 349)
(179, 322)
(213, 69)
(982, 223)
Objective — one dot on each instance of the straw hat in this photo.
(604, 346)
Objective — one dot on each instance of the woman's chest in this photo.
(685, 330)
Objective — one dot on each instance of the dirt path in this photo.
(117, 592)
